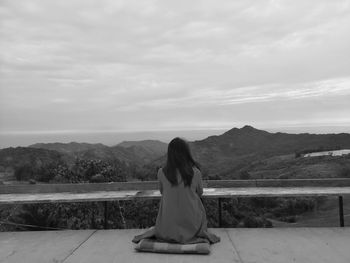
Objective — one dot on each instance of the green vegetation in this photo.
(237, 212)
(245, 153)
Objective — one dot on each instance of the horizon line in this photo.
(85, 131)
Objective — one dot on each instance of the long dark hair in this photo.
(179, 159)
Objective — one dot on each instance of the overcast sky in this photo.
(167, 65)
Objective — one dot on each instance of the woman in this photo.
(181, 216)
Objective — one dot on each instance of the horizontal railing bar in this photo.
(324, 182)
(153, 185)
(154, 194)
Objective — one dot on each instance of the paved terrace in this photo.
(280, 245)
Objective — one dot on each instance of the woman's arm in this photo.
(160, 181)
(199, 188)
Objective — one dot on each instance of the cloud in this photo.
(75, 65)
(248, 95)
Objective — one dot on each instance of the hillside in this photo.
(245, 153)
(287, 166)
(151, 145)
(145, 151)
(238, 150)
(23, 163)
(238, 153)
(248, 140)
(134, 153)
(23, 155)
(68, 148)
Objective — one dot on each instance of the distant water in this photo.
(107, 138)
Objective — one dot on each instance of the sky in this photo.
(130, 66)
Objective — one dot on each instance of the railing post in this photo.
(341, 211)
(106, 215)
(219, 211)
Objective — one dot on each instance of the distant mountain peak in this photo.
(247, 129)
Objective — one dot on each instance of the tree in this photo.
(24, 172)
(244, 175)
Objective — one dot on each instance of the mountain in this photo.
(239, 152)
(146, 151)
(74, 150)
(154, 146)
(130, 152)
(248, 140)
(69, 148)
(225, 156)
(238, 148)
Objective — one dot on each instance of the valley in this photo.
(240, 153)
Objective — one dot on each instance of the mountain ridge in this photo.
(220, 155)
(137, 152)
(238, 147)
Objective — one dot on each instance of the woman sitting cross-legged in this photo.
(181, 216)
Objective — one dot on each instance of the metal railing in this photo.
(17, 194)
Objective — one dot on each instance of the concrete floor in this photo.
(273, 245)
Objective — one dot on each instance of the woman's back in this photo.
(181, 216)
(181, 213)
